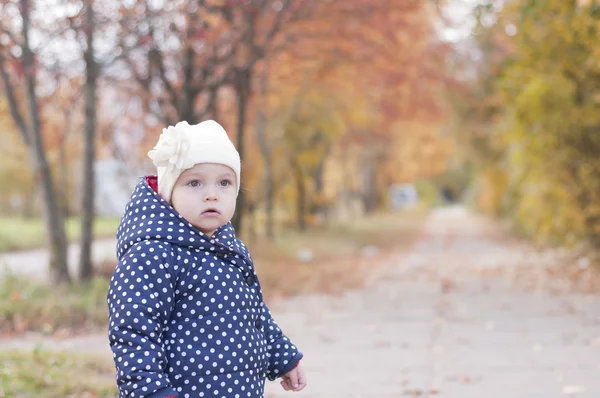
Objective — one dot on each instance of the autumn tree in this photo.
(363, 70)
(552, 86)
(84, 24)
(20, 67)
(259, 24)
(183, 54)
(63, 109)
(281, 96)
(533, 111)
(478, 106)
(177, 55)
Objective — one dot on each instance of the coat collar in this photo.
(148, 216)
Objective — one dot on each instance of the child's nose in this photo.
(211, 194)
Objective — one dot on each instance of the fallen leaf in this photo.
(413, 392)
(447, 285)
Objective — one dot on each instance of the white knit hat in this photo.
(182, 146)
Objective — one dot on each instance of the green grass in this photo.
(383, 230)
(17, 233)
(43, 374)
(27, 305)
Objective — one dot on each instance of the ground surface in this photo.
(464, 313)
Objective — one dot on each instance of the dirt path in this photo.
(34, 263)
(456, 318)
(466, 313)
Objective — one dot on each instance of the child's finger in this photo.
(285, 385)
(301, 375)
(301, 380)
(293, 378)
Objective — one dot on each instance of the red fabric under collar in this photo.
(153, 182)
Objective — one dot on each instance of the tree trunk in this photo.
(54, 219)
(53, 216)
(87, 206)
(63, 179)
(242, 88)
(186, 104)
(265, 151)
(64, 164)
(270, 197)
(370, 183)
(301, 195)
(212, 111)
(319, 208)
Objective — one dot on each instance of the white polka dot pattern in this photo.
(186, 313)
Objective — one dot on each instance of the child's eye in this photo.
(194, 183)
(225, 183)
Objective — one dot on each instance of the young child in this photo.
(186, 312)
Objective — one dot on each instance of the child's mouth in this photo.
(210, 212)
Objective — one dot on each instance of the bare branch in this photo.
(29, 69)
(144, 82)
(155, 56)
(12, 100)
(260, 50)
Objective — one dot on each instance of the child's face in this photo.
(205, 196)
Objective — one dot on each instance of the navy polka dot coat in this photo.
(186, 313)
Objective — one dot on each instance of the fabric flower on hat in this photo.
(172, 148)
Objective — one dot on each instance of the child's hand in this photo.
(294, 380)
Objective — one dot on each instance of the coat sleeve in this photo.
(140, 300)
(283, 354)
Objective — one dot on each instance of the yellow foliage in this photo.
(417, 150)
(491, 187)
(16, 177)
(540, 146)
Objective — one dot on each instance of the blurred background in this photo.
(353, 120)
